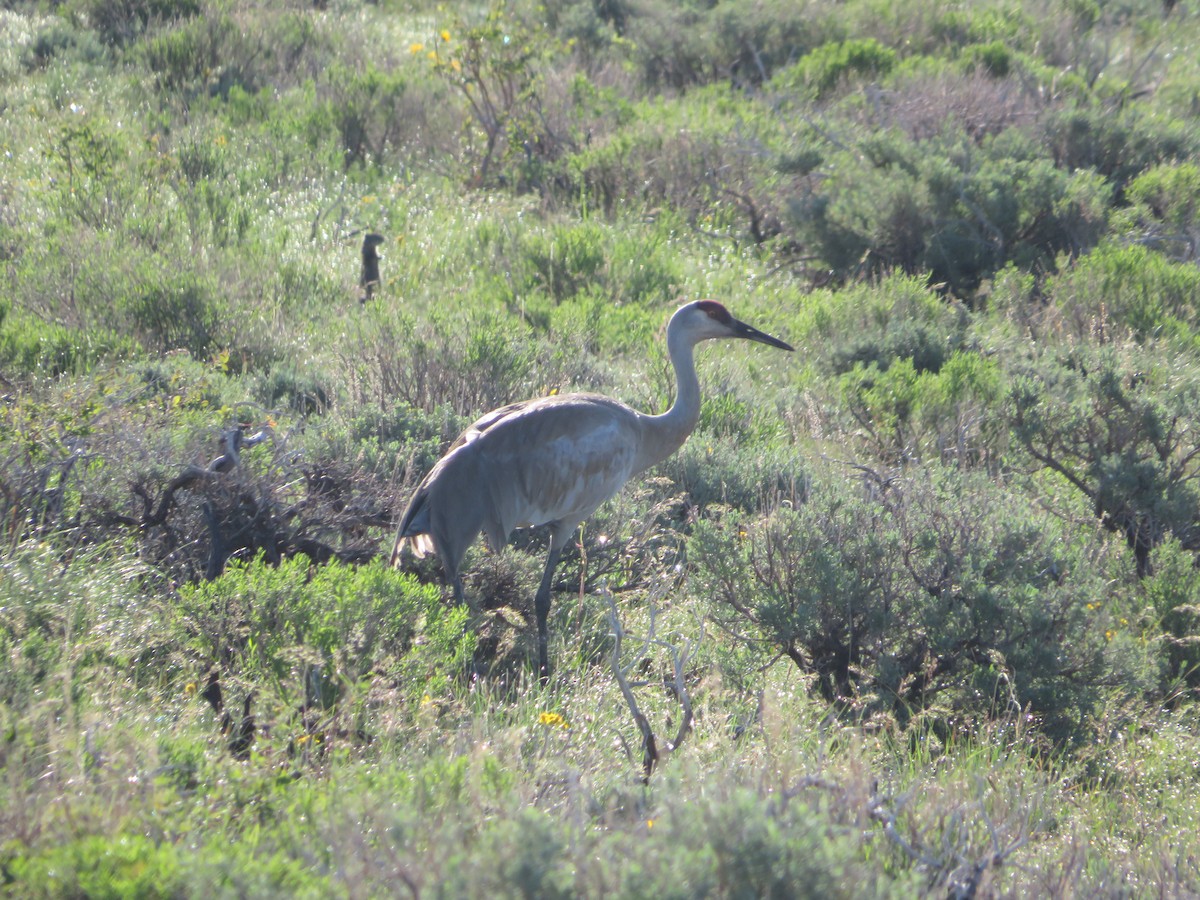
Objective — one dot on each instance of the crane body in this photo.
(552, 461)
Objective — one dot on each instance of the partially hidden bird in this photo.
(552, 461)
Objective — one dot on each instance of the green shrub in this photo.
(1165, 212)
(34, 347)
(136, 866)
(1117, 146)
(905, 414)
(284, 386)
(1173, 592)
(1115, 425)
(563, 262)
(738, 846)
(719, 469)
(129, 865)
(54, 615)
(830, 65)
(120, 23)
(930, 595)
(371, 112)
(57, 41)
(172, 312)
(945, 207)
(331, 626)
(708, 158)
(211, 55)
(1120, 291)
(522, 856)
(994, 58)
(468, 367)
(594, 262)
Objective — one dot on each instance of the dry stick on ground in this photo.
(679, 658)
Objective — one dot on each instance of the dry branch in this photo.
(679, 658)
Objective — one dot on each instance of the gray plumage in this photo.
(554, 460)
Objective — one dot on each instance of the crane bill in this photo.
(750, 333)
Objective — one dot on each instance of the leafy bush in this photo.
(937, 206)
(1115, 425)
(829, 65)
(1117, 292)
(1166, 210)
(283, 385)
(371, 111)
(923, 595)
(722, 166)
(39, 348)
(466, 367)
(497, 67)
(1174, 594)
(177, 312)
(598, 263)
(211, 55)
(719, 469)
(319, 632)
(54, 615)
(120, 23)
(1118, 146)
(134, 865)
(905, 414)
(994, 58)
(128, 866)
(731, 846)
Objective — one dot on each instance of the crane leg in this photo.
(541, 605)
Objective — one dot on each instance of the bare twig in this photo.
(679, 658)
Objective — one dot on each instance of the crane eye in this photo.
(715, 311)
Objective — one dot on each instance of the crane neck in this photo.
(666, 433)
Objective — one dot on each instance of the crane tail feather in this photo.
(421, 546)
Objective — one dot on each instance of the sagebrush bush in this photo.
(1113, 423)
(908, 595)
(943, 206)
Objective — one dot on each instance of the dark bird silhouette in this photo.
(369, 279)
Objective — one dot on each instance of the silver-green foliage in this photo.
(922, 592)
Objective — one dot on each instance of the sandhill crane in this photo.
(554, 460)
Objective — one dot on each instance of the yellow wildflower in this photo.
(415, 48)
(445, 35)
(552, 719)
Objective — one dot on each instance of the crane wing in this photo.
(556, 460)
(546, 461)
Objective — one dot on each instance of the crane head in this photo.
(707, 319)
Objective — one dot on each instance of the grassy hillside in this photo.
(916, 610)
